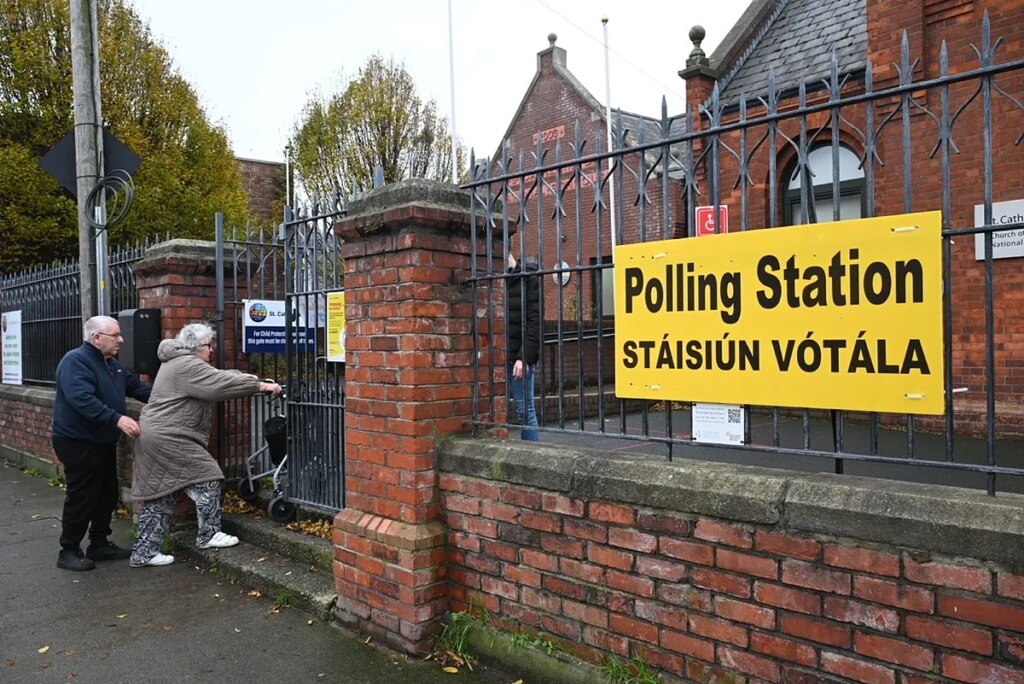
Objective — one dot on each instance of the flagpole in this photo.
(608, 130)
(451, 81)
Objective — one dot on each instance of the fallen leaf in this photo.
(70, 675)
(122, 616)
(287, 573)
(518, 681)
(310, 622)
(36, 516)
(260, 560)
(10, 662)
(44, 649)
(69, 651)
(451, 670)
(237, 631)
(168, 628)
(216, 596)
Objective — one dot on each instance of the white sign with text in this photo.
(10, 329)
(1006, 244)
(718, 423)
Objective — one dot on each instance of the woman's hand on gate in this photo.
(270, 387)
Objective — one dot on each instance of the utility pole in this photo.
(85, 71)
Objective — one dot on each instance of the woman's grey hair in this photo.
(96, 324)
(195, 335)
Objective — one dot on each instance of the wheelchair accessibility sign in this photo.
(264, 328)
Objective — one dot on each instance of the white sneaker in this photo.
(158, 559)
(220, 541)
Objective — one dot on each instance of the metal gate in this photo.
(314, 358)
(299, 264)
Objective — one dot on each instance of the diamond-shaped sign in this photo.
(59, 162)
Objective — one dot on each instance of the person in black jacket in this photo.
(523, 325)
(88, 418)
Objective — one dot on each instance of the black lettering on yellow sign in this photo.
(844, 281)
(839, 284)
(683, 290)
(723, 354)
(808, 355)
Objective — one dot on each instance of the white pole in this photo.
(451, 81)
(608, 130)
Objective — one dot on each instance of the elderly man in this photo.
(88, 418)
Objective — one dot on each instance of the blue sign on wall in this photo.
(263, 328)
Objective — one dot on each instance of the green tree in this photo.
(377, 119)
(188, 169)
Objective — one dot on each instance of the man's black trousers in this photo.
(91, 474)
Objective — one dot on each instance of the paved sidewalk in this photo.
(119, 624)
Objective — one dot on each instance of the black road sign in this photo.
(59, 162)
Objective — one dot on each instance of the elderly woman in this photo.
(170, 453)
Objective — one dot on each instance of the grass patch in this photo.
(525, 638)
(634, 671)
(451, 648)
(33, 472)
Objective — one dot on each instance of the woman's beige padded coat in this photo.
(171, 454)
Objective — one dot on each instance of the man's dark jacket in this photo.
(523, 317)
(91, 396)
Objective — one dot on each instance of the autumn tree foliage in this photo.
(377, 119)
(188, 169)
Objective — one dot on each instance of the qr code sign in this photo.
(735, 415)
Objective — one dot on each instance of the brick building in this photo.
(894, 155)
(265, 183)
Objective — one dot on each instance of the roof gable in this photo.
(797, 40)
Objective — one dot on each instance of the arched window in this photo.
(851, 186)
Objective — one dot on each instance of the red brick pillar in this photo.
(409, 382)
(179, 277)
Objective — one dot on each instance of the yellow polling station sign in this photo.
(843, 315)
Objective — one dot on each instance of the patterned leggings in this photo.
(155, 519)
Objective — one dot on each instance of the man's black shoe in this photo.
(107, 550)
(74, 559)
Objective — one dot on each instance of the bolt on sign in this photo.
(844, 315)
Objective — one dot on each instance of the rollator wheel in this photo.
(248, 489)
(281, 510)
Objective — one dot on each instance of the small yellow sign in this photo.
(336, 327)
(844, 315)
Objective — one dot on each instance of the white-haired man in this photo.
(88, 418)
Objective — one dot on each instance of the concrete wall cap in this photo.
(26, 394)
(739, 493)
(948, 520)
(936, 518)
(180, 247)
(412, 191)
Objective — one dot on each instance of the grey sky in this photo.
(255, 62)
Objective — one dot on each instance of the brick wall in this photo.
(264, 182)
(714, 572)
(26, 414)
